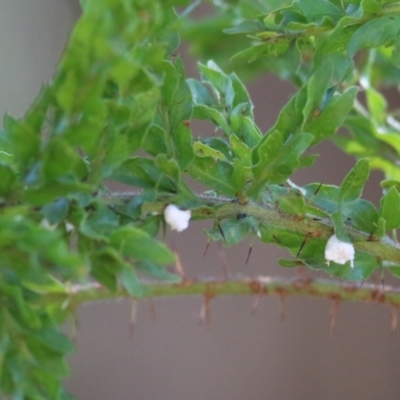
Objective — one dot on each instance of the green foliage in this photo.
(120, 107)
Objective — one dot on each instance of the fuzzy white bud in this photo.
(339, 252)
(177, 219)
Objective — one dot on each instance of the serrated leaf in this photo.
(353, 184)
(56, 212)
(390, 206)
(214, 173)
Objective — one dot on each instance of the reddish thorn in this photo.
(282, 307)
(255, 304)
(206, 249)
(395, 318)
(248, 255)
(222, 257)
(333, 314)
(205, 316)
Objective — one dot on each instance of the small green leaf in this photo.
(157, 271)
(7, 180)
(353, 184)
(380, 228)
(340, 229)
(374, 33)
(390, 206)
(202, 150)
(237, 229)
(130, 281)
(214, 173)
(316, 88)
(142, 172)
(136, 243)
(324, 124)
(56, 212)
(154, 140)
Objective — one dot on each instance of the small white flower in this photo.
(339, 252)
(177, 219)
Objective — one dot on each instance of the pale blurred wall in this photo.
(241, 356)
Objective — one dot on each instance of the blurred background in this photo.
(245, 352)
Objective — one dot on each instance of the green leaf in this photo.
(219, 82)
(274, 161)
(324, 124)
(56, 211)
(213, 173)
(156, 271)
(130, 281)
(136, 243)
(390, 206)
(353, 184)
(154, 140)
(237, 229)
(316, 88)
(362, 215)
(374, 33)
(380, 228)
(340, 230)
(7, 180)
(315, 11)
(142, 172)
(202, 150)
(55, 340)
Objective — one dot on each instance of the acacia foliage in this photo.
(118, 108)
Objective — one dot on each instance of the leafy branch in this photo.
(120, 108)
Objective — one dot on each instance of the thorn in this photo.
(205, 316)
(223, 261)
(318, 188)
(333, 314)
(178, 265)
(221, 232)
(282, 306)
(256, 304)
(302, 246)
(301, 272)
(152, 309)
(248, 254)
(395, 318)
(133, 319)
(75, 325)
(276, 239)
(206, 249)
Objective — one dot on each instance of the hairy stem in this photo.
(240, 285)
(219, 208)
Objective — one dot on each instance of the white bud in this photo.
(339, 252)
(177, 219)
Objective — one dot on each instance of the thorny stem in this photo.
(219, 208)
(239, 285)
